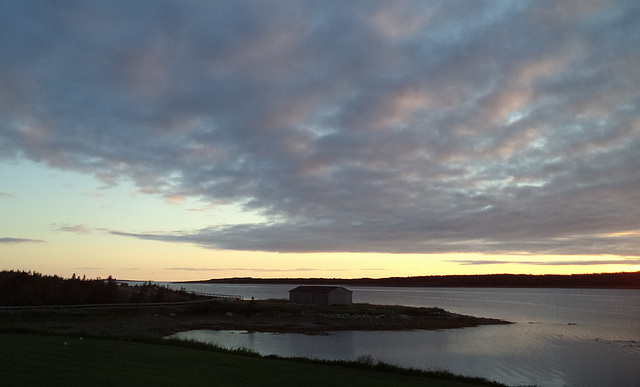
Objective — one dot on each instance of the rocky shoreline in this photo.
(322, 324)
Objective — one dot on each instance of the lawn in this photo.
(55, 360)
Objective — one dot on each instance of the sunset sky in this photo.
(177, 140)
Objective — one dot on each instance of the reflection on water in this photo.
(502, 353)
(563, 337)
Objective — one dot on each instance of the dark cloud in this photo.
(404, 127)
(19, 240)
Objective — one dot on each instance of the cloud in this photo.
(266, 270)
(5, 195)
(19, 240)
(175, 199)
(237, 269)
(404, 127)
(77, 228)
(406, 238)
(198, 210)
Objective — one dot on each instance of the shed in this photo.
(321, 295)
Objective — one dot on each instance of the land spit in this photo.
(279, 316)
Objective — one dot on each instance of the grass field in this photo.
(54, 360)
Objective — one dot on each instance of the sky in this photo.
(183, 140)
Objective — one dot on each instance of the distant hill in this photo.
(603, 280)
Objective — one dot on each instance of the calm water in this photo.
(562, 337)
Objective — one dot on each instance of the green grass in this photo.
(39, 359)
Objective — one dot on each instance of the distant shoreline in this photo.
(624, 280)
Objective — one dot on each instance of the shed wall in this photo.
(335, 297)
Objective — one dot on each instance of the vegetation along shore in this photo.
(72, 331)
(64, 360)
(107, 307)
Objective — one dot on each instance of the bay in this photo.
(561, 337)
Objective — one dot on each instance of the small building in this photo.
(321, 295)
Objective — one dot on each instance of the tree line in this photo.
(21, 288)
(603, 280)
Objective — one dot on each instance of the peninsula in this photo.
(31, 301)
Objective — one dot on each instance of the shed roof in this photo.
(317, 289)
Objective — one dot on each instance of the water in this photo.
(562, 337)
